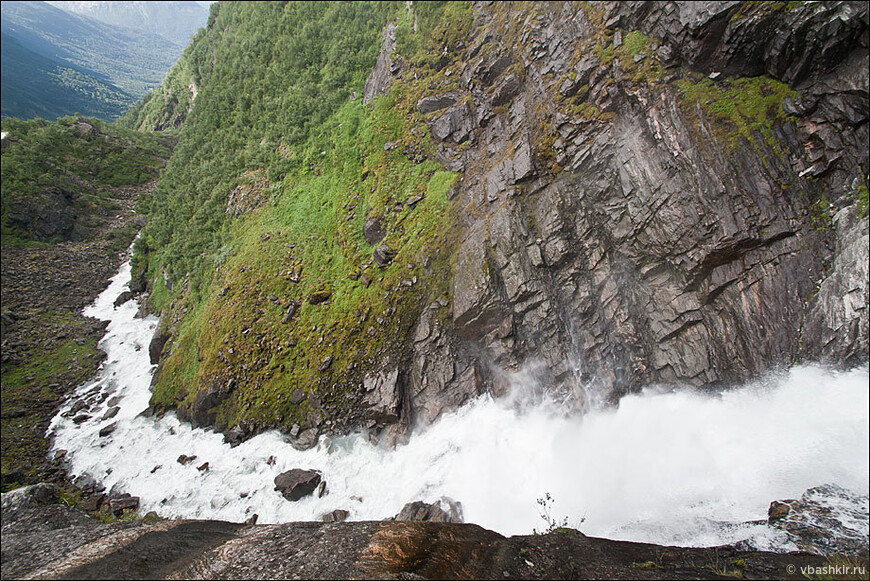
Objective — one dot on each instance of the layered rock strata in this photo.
(618, 232)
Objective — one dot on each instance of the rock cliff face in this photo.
(622, 226)
(647, 193)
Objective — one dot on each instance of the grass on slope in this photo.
(307, 242)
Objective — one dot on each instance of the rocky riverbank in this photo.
(49, 347)
(45, 540)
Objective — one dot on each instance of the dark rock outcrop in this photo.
(378, 82)
(292, 307)
(51, 215)
(123, 502)
(295, 484)
(444, 510)
(158, 342)
(435, 102)
(383, 396)
(383, 255)
(373, 230)
(792, 43)
(123, 298)
(337, 515)
(837, 326)
(109, 429)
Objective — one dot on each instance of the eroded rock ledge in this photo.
(51, 541)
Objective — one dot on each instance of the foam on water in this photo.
(673, 467)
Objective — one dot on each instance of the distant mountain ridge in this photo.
(63, 63)
(174, 20)
(37, 86)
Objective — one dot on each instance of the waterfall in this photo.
(673, 467)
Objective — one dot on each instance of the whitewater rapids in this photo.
(669, 467)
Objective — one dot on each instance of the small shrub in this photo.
(545, 505)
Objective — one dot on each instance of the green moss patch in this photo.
(63, 354)
(739, 107)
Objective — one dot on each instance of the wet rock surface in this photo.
(296, 483)
(825, 520)
(57, 542)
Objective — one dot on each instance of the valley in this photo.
(522, 290)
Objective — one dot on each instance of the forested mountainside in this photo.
(36, 86)
(58, 63)
(602, 196)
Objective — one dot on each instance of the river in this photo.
(672, 467)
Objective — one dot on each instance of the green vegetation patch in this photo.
(439, 25)
(31, 388)
(268, 76)
(80, 157)
(861, 199)
(278, 305)
(740, 107)
(635, 56)
(761, 9)
(308, 244)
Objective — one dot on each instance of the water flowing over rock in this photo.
(826, 520)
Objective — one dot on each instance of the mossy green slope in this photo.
(261, 212)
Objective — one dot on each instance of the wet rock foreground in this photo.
(43, 540)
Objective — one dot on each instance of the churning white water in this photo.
(668, 467)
